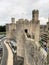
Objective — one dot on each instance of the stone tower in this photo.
(10, 28)
(48, 42)
(35, 16)
(13, 20)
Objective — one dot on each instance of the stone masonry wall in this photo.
(34, 54)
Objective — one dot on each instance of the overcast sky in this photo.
(23, 9)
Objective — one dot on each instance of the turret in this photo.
(35, 15)
(13, 20)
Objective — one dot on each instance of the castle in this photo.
(27, 35)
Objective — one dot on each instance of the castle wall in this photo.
(34, 53)
(19, 39)
(8, 31)
(37, 31)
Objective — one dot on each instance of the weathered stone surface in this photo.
(34, 54)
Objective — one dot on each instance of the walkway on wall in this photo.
(10, 55)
